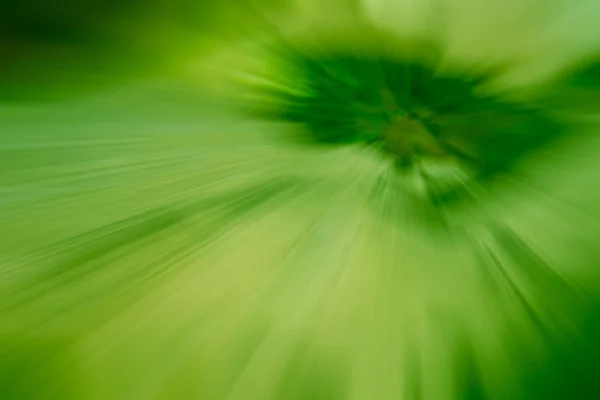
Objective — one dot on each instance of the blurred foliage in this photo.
(353, 98)
(54, 50)
(576, 91)
(157, 244)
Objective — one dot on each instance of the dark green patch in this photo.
(39, 368)
(347, 98)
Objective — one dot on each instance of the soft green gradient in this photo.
(157, 244)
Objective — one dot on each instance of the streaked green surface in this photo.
(155, 243)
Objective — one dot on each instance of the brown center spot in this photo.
(407, 137)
